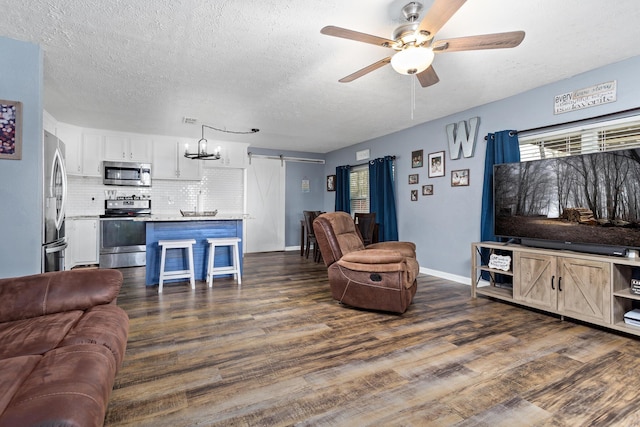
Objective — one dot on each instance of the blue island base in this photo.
(198, 230)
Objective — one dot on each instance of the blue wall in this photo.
(21, 180)
(444, 225)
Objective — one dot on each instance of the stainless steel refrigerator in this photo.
(54, 241)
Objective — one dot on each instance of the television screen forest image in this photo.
(590, 198)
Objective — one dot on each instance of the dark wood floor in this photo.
(279, 351)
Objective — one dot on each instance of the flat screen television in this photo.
(587, 203)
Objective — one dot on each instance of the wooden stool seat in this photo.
(177, 274)
(234, 268)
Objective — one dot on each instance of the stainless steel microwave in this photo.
(126, 173)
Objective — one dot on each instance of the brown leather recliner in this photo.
(381, 276)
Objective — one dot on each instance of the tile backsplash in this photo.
(219, 188)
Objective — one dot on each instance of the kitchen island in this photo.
(163, 227)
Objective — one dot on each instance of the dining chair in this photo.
(309, 217)
(366, 223)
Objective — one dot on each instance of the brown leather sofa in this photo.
(381, 276)
(62, 340)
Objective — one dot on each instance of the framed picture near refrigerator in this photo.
(10, 130)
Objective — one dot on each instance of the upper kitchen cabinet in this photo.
(71, 136)
(232, 155)
(92, 146)
(168, 161)
(125, 149)
(83, 153)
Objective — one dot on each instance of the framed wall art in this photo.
(427, 190)
(413, 178)
(436, 164)
(460, 178)
(414, 195)
(416, 159)
(10, 130)
(331, 183)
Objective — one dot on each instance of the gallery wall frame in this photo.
(417, 159)
(427, 190)
(436, 164)
(10, 130)
(413, 178)
(460, 178)
(414, 195)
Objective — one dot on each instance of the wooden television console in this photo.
(586, 287)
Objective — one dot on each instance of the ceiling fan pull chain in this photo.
(413, 95)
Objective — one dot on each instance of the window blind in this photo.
(359, 187)
(608, 136)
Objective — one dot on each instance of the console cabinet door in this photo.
(535, 280)
(584, 290)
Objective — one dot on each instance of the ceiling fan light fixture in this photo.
(412, 60)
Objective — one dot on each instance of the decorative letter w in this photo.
(462, 138)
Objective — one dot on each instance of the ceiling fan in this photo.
(414, 42)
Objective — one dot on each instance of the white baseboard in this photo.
(443, 275)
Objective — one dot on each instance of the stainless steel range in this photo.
(123, 233)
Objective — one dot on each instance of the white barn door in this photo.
(265, 206)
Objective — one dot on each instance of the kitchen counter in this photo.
(73, 217)
(164, 217)
(169, 227)
(178, 217)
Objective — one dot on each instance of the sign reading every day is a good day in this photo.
(602, 93)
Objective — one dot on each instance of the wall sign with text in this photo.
(587, 97)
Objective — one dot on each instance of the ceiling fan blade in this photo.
(330, 30)
(438, 15)
(428, 77)
(486, 41)
(365, 70)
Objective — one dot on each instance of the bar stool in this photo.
(234, 268)
(177, 274)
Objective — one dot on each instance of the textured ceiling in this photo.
(141, 66)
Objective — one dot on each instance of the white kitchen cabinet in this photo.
(120, 148)
(73, 153)
(232, 155)
(82, 237)
(91, 154)
(169, 162)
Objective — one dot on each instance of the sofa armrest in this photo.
(55, 292)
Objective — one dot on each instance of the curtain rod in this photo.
(573, 122)
(283, 158)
